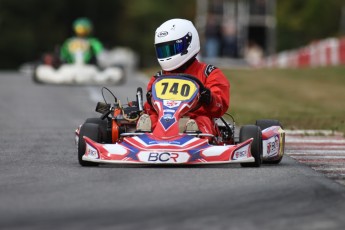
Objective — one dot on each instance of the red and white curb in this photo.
(324, 151)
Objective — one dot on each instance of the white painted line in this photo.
(323, 141)
(328, 169)
(318, 157)
(313, 132)
(306, 152)
(315, 147)
(322, 163)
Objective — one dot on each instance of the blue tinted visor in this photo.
(171, 48)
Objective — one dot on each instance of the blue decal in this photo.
(195, 153)
(167, 122)
(133, 151)
(147, 139)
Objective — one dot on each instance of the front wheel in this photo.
(92, 131)
(252, 131)
(103, 124)
(264, 124)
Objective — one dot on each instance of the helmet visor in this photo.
(171, 48)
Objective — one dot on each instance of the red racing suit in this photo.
(216, 82)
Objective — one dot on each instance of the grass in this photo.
(300, 98)
(312, 98)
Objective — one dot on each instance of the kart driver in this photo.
(81, 47)
(177, 45)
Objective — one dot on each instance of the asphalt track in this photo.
(43, 187)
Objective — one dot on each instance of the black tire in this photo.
(105, 136)
(92, 131)
(252, 131)
(273, 162)
(263, 124)
(95, 120)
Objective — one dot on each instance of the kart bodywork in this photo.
(52, 71)
(78, 74)
(185, 149)
(113, 138)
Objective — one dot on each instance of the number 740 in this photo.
(174, 89)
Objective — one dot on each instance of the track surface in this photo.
(43, 187)
(324, 154)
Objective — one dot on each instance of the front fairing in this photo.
(172, 97)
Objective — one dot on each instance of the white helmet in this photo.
(176, 42)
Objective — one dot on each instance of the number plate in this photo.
(175, 89)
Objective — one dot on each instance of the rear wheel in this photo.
(91, 131)
(264, 124)
(252, 131)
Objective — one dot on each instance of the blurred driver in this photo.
(82, 48)
(177, 44)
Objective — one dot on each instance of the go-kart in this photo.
(79, 72)
(113, 138)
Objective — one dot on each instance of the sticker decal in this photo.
(271, 147)
(162, 34)
(91, 152)
(171, 104)
(241, 153)
(163, 157)
(209, 69)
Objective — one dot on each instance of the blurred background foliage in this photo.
(301, 21)
(31, 27)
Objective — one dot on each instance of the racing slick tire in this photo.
(264, 124)
(92, 131)
(252, 131)
(103, 124)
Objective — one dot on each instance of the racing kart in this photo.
(79, 73)
(113, 138)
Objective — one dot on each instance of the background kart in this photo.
(113, 137)
(78, 73)
(112, 68)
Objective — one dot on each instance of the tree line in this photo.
(30, 28)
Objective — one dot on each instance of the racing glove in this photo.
(206, 97)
